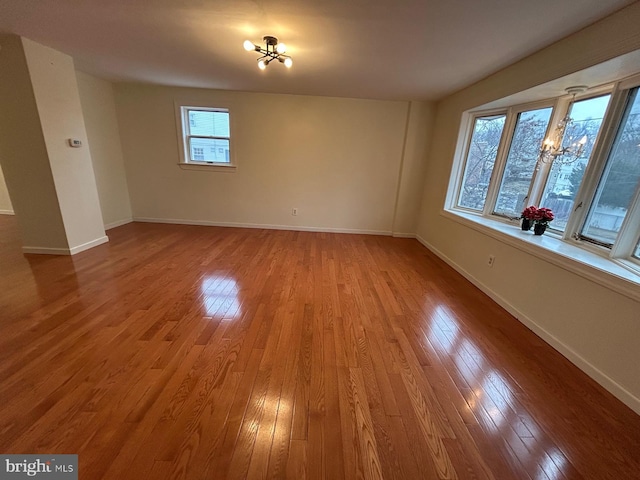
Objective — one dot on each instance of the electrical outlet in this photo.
(490, 260)
(294, 211)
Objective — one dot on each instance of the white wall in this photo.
(338, 161)
(5, 202)
(98, 108)
(55, 89)
(23, 153)
(594, 326)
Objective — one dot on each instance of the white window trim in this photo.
(183, 162)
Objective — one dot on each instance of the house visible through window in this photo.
(564, 180)
(206, 135)
(619, 182)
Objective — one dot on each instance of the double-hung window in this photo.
(595, 195)
(206, 136)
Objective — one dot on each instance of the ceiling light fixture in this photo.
(272, 51)
(552, 149)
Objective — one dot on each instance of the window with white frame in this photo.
(482, 150)
(206, 135)
(528, 134)
(595, 197)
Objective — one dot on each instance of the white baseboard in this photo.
(7, 212)
(46, 250)
(119, 223)
(583, 364)
(66, 251)
(88, 245)
(403, 235)
(296, 228)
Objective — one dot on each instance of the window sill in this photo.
(551, 248)
(210, 167)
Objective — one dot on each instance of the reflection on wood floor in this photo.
(208, 353)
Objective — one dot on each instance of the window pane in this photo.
(521, 161)
(564, 180)
(209, 150)
(208, 124)
(620, 178)
(637, 252)
(481, 157)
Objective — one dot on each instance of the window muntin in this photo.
(564, 181)
(206, 135)
(482, 151)
(619, 181)
(528, 135)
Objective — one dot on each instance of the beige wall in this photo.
(414, 166)
(338, 161)
(595, 327)
(23, 153)
(98, 107)
(55, 89)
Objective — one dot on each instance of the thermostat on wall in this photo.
(74, 142)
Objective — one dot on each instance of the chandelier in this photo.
(559, 149)
(272, 51)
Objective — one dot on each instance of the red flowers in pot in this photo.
(538, 217)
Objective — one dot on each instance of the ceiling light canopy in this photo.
(273, 50)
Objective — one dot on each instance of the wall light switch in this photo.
(75, 143)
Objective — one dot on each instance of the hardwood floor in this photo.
(208, 353)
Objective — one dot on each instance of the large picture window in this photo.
(594, 194)
(619, 183)
(564, 180)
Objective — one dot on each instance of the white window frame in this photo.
(503, 153)
(466, 132)
(563, 248)
(183, 130)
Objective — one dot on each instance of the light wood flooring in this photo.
(187, 352)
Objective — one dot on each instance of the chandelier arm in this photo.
(268, 52)
(555, 151)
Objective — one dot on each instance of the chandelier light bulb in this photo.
(288, 62)
(561, 154)
(261, 64)
(248, 45)
(281, 48)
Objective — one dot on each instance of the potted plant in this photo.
(528, 217)
(541, 219)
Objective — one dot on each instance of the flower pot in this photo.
(526, 224)
(539, 228)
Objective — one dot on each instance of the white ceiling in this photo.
(383, 49)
